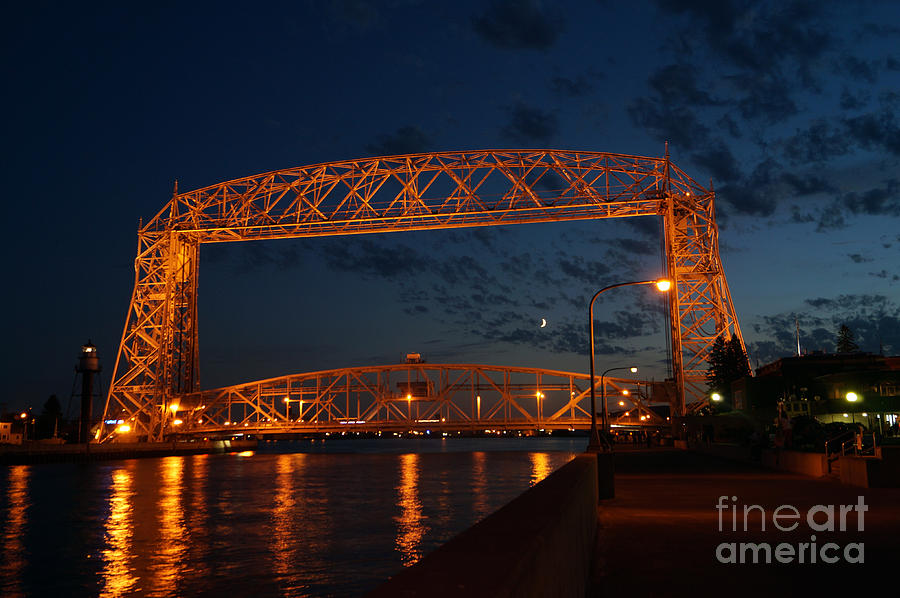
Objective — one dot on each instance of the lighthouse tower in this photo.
(88, 365)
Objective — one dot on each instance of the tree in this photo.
(727, 363)
(49, 420)
(846, 340)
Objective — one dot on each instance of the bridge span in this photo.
(405, 398)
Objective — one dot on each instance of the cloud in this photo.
(766, 97)
(857, 68)
(750, 195)
(817, 143)
(635, 246)
(371, 259)
(456, 270)
(874, 320)
(677, 83)
(573, 88)
(519, 24)
(884, 274)
(809, 184)
(647, 227)
(876, 201)
(831, 218)
(584, 270)
(628, 324)
(877, 130)
(405, 140)
(667, 122)
(530, 125)
(759, 37)
(415, 310)
(851, 101)
(727, 123)
(249, 257)
(719, 161)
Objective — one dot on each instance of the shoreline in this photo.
(86, 453)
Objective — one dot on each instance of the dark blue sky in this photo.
(791, 109)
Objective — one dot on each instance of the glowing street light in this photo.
(662, 285)
(716, 397)
(852, 397)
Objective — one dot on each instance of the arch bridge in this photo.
(158, 355)
(408, 398)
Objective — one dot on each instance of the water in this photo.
(331, 518)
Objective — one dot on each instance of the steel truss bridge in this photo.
(157, 360)
(411, 397)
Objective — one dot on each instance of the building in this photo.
(858, 388)
(8, 435)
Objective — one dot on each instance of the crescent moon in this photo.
(543, 322)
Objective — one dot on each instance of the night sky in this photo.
(791, 110)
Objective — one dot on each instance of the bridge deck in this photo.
(659, 535)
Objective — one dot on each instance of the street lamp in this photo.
(633, 370)
(594, 445)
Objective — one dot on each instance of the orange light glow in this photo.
(117, 575)
(411, 526)
(540, 467)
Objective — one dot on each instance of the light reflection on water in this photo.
(540, 467)
(411, 527)
(13, 550)
(168, 562)
(295, 519)
(118, 576)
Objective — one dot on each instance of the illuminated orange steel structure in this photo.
(402, 398)
(157, 358)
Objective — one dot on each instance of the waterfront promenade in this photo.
(660, 535)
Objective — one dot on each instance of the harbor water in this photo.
(331, 517)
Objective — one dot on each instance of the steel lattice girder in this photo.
(157, 357)
(404, 397)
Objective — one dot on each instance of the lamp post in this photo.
(633, 370)
(595, 445)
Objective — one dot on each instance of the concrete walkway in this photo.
(660, 535)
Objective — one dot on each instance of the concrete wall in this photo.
(811, 464)
(539, 545)
(872, 472)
